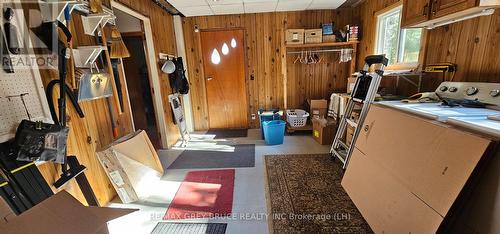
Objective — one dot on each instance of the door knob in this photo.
(209, 78)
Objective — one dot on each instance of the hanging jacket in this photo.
(178, 80)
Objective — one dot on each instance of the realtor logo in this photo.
(29, 34)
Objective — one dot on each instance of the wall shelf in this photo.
(54, 10)
(85, 56)
(326, 44)
(91, 21)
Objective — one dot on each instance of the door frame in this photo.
(247, 80)
(154, 77)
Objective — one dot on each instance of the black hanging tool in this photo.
(48, 33)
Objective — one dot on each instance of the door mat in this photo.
(203, 194)
(228, 133)
(189, 228)
(307, 189)
(231, 157)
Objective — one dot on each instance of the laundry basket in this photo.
(296, 118)
(268, 115)
(274, 131)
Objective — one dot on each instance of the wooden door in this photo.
(139, 89)
(415, 11)
(224, 66)
(445, 7)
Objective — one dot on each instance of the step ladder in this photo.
(180, 121)
(363, 94)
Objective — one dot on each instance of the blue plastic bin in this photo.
(268, 115)
(274, 132)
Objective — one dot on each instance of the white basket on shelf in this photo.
(296, 118)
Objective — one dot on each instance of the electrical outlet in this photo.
(253, 117)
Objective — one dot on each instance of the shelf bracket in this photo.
(85, 56)
(54, 10)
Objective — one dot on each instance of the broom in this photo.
(95, 6)
(118, 48)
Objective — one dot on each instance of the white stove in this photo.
(468, 105)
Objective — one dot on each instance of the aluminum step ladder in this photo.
(364, 93)
(180, 121)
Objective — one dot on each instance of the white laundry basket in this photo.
(296, 118)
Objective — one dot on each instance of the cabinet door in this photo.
(445, 7)
(415, 11)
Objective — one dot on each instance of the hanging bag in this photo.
(38, 141)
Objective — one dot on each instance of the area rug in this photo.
(190, 228)
(305, 196)
(203, 194)
(231, 157)
(228, 133)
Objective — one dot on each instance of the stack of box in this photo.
(328, 35)
(324, 128)
(313, 36)
(310, 36)
(318, 108)
(350, 130)
(294, 36)
(351, 81)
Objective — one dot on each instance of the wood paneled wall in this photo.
(164, 42)
(265, 55)
(473, 45)
(94, 132)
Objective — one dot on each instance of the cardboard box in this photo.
(6, 213)
(434, 161)
(327, 29)
(418, 167)
(324, 130)
(312, 36)
(349, 134)
(351, 82)
(127, 161)
(318, 108)
(62, 214)
(393, 209)
(329, 38)
(294, 36)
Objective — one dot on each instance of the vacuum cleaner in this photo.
(70, 168)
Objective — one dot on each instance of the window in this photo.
(401, 46)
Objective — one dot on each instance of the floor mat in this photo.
(230, 157)
(228, 133)
(189, 228)
(203, 194)
(309, 185)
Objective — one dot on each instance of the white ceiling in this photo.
(225, 7)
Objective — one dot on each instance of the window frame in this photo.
(398, 65)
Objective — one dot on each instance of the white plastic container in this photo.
(297, 118)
